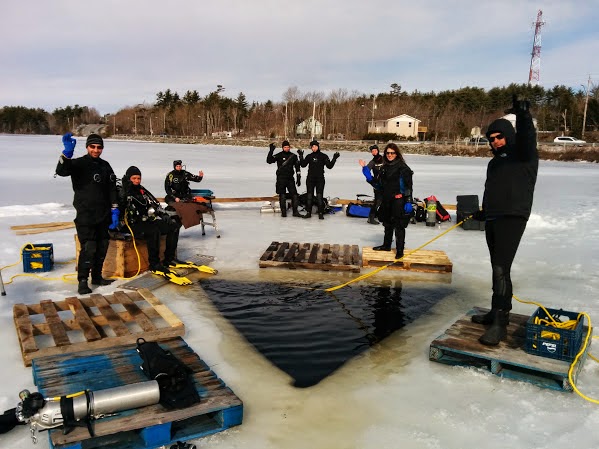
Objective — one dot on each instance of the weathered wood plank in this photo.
(313, 253)
(269, 251)
(164, 311)
(281, 251)
(24, 328)
(114, 321)
(291, 253)
(136, 313)
(57, 330)
(83, 320)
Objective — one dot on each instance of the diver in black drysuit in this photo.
(507, 203)
(287, 165)
(316, 162)
(95, 196)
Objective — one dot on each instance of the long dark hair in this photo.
(396, 149)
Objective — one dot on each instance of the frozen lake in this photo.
(389, 395)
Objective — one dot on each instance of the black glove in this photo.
(518, 106)
(298, 180)
(336, 155)
(479, 215)
(272, 147)
(301, 154)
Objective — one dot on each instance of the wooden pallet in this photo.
(429, 261)
(142, 428)
(93, 322)
(151, 281)
(313, 256)
(459, 345)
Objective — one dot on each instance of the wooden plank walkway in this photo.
(312, 256)
(145, 427)
(430, 261)
(151, 281)
(459, 345)
(94, 322)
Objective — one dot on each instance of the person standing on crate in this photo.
(375, 165)
(316, 162)
(507, 202)
(287, 165)
(146, 217)
(395, 187)
(177, 181)
(96, 204)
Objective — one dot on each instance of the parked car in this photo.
(481, 140)
(568, 139)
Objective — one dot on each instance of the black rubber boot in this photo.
(294, 205)
(308, 208)
(283, 205)
(83, 288)
(388, 239)
(102, 281)
(399, 253)
(372, 220)
(320, 216)
(498, 329)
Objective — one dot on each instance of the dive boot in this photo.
(101, 281)
(308, 215)
(485, 318)
(320, 216)
(372, 220)
(382, 247)
(498, 329)
(83, 288)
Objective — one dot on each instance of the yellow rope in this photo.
(570, 324)
(378, 270)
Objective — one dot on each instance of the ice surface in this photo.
(391, 396)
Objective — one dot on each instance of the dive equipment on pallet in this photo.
(175, 379)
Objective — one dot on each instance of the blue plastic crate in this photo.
(38, 257)
(560, 344)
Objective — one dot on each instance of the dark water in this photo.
(310, 333)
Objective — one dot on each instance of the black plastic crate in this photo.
(38, 257)
(552, 342)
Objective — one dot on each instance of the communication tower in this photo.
(535, 59)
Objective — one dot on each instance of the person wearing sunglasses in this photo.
(507, 203)
(395, 187)
(96, 204)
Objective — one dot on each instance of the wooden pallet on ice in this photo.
(94, 322)
(142, 428)
(429, 261)
(314, 256)
(459, 345)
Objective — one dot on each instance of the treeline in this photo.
(447, 114)
(22, 120)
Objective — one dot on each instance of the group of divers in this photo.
(104, 204)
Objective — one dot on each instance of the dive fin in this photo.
(172, 277)
(201, 268)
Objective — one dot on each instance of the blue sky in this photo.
(113, 54)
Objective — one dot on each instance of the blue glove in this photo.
(115, 219)
(69, 145)
(407, 208)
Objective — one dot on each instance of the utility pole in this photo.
(586, 104)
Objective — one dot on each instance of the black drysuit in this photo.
(316, 162)
(136, 202)
(287, 165)
(508, 197)
(94, 184)
(395, 180)
(176, 185)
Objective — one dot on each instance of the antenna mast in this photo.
(535, 59)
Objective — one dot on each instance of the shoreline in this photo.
(548, 152)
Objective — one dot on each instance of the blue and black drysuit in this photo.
(395, 185)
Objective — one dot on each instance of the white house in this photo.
(305, 128)
(403, 125)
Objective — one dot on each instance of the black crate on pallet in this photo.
(552, 342)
